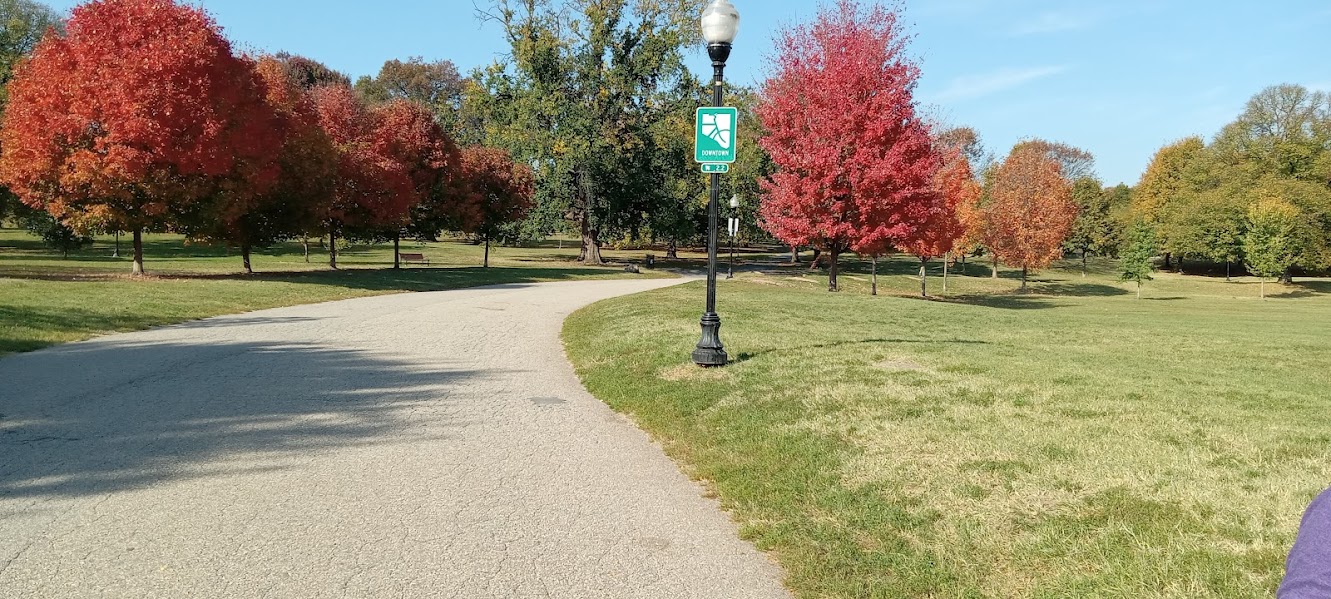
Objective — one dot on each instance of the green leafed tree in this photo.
(1095, 230)
(574, 98)
(55, 234)
(1270, 244)
(436, 84)
(22, 24)
(1284, 131)
(1163, 187)
(1135, 260)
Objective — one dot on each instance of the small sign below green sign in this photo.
(715, 139)
(715, 167)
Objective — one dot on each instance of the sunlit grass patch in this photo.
(1068, 441)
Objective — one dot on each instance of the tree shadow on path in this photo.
(113, 415)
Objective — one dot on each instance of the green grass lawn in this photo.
(1068, 442)
(47, 299)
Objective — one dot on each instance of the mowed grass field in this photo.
(1072, 441)
(47, 299)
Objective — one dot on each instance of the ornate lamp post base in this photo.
(710, 352)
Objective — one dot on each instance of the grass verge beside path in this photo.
(46, 300)
(1069, 442)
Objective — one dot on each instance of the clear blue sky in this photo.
(1119, 78)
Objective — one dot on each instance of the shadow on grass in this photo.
(746, 356)
(1316, 287)
(1007, 301)
(113, 416)
(1073, 289)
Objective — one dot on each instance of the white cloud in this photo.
(974, 86)
(1053, 22)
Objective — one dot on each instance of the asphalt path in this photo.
(415, 445)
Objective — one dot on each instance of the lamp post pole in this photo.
(733, 229)
(720, 23)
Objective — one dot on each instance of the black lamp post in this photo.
(720, 24)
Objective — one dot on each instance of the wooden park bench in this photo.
(417, 258)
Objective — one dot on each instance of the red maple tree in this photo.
(855, 161)
(134, 116)
(1030, 211)
(359, 194)
(499, 192)
(945, 230)
(419, 160)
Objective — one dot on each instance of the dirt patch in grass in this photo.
(693, 372)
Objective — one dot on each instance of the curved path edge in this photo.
(416, 445)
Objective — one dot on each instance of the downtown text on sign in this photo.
(714, 139)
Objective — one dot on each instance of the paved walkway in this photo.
(419, 445)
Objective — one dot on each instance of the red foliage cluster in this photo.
(944, 230)
(140, 117)
(499, 191)
(417, 155)
(856, 163)
(138, 111)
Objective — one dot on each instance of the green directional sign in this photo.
(715, 136)
(715, 167)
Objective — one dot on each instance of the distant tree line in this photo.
(585, 127)
(163, 127)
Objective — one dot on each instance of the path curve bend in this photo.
(416, 445)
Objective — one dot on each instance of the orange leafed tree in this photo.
(1030, 211)
(499, 192)
(135, 116)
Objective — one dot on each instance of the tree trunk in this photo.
(1228, 265)
(817, 255)
(1168, 261)
(332, 248)
(486, 263)
(924, 281)
(591, 245)
(672, 250)
(245, 258)
(305, 244)
(1023, 277)
(1139, 288)
(873, 287)
(946, 259)
(835, 253)
(794, 255)
(1083, 263)
(138, 251)
(1180, 265)
(397, 250)
(116, 253)
(995, 274)
(1263, 287)
(1287, 277)
(963, 262)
